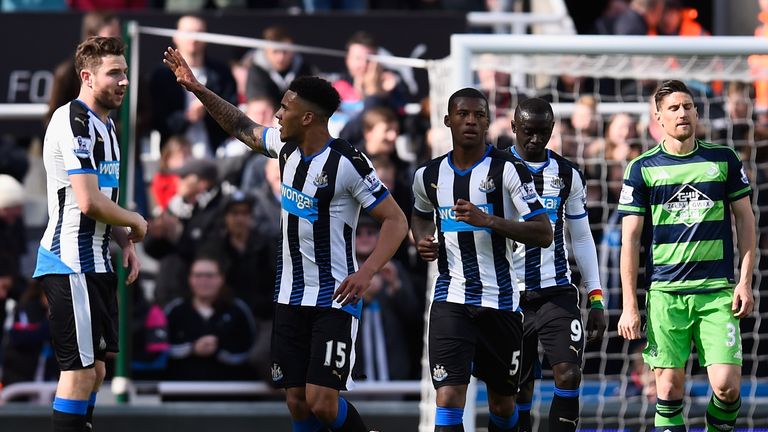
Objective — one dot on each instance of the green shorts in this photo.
(677, 320)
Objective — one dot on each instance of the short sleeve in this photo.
(272, 142)
(633, 198)
(76, 144)
(366, 186)
(421, 203)
(737, 184)
(576, 205)
(520, 186)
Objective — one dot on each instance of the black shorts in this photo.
(475, 340)
(313, 345)
(82, 311)
(552, 317)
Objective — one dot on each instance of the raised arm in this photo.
(231, 119)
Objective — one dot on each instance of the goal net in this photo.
(602, 107)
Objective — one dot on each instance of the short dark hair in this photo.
(667, 88)
(468, 92)
(90, 52)
(363, 38)
(318, 92)
(276, 33)
(535, 106)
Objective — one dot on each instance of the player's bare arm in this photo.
(423, 231)
(536, 231)
(394, 228)
(228, 116)
(97, 206)
(743, 302)
(631, 231)
(130, 259)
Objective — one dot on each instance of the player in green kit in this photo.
(687, 190)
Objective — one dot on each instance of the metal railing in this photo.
(43, 392)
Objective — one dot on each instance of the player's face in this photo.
(109, 82)
(468, 120)
(290, 116)
(677, 116)
(532, 131)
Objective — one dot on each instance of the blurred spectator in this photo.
(365, 84)
(192, 216)
(680, 21)
(380, 133)
(175, 154)
(611, 153)
(260, 109)
(251, 270)
(607, 20)
(210, 331)
(150, 348)
(66, 82)
(641, 378)
(13, 238)
(28, 355)
(250, 258)
(737, 127)
(178, 112)
(642, 18)
(273, 69)
(581, 128)
(267, 208)
(390, 312)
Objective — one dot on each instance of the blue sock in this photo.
(70, 406)
(311, 424)
(449, 416)
(341, 414)
(505, 423)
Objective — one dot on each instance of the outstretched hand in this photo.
(179, 67)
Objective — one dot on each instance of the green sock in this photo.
(669, 415)
(721, 416)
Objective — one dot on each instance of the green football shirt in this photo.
(685, 200)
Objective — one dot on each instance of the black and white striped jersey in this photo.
(321, 197)
(474, 263)
(563, 192)
(77, 142)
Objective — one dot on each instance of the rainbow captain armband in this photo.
(596, 299)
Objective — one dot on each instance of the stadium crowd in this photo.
(213, 206)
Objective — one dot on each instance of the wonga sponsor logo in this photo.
(298, 203)
(109, 174)
(448, 222)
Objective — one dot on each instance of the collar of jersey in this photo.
(312, 156)
(530, 168)
(690, 153)
(464, 172)
(108, 124)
